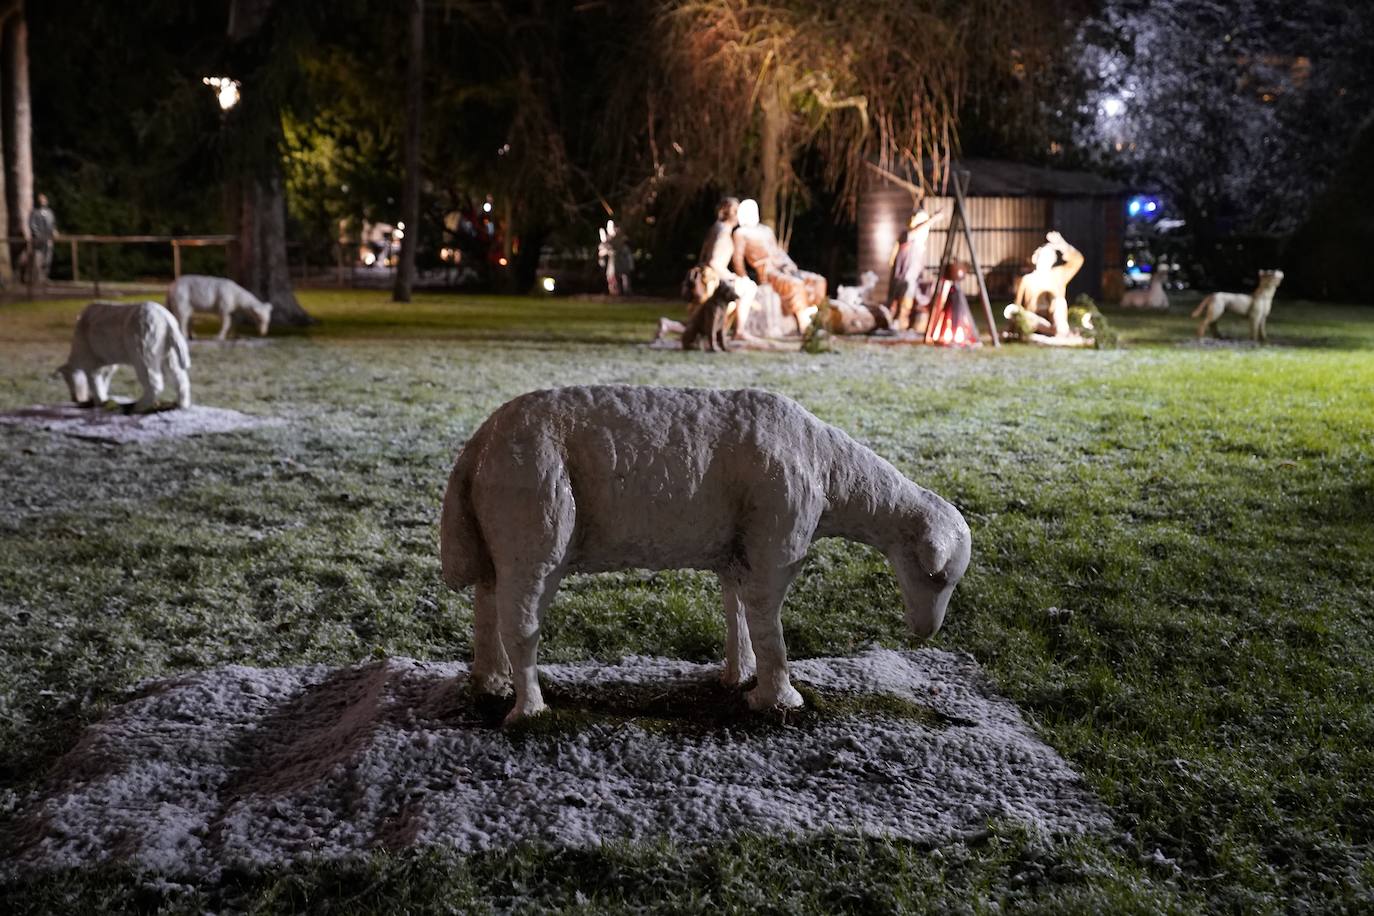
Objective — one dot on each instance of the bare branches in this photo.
(879, 80)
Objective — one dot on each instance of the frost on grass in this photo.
(246, 768)
(123, 428)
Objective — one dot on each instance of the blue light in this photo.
(1142, 206)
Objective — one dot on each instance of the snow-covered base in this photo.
(114, 426)
(245, 768)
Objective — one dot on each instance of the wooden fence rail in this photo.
(177, 242)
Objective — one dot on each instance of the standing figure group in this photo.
(907, 299)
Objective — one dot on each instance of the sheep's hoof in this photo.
(737, 677)
(786, 698)
(525, 711)
(492, 685)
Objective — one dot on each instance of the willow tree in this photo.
(752, 86)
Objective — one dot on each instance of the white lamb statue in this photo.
(590, 479)
(196, 293)
(138, 334)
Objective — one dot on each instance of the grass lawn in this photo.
(1204, 515)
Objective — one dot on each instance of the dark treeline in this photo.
(564, 114)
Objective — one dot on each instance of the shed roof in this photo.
(1001, 178)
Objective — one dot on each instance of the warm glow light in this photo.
(226, 90)
(502, 261)
(398, 234)
(548, 284)
(369, 259)
(400, 225)
(1010, 310)
(486, 207)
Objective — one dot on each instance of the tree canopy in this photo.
(561, 115)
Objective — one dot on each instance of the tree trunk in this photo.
(410, 193)
(18, 117)
(6, 263)
(17, 184)
(258, 259)
(256, 200)
(770, 148)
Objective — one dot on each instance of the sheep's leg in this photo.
(763, 596)
(225, 321)
(100, 382)
(739, 651)
(521, 607)
(491, 672)
(81, 385)
(150, 378)
(181, 382)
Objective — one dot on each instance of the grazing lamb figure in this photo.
(195, 293)
(1153, 297)
(590, 479)
(138, 334)
(1256, 306)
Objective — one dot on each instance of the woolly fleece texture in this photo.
(246, 768)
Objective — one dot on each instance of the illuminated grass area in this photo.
(1203, 516)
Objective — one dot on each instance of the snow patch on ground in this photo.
(116, 426)
(246, 768)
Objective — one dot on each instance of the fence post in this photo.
(28, 259)
(176, 260)
(76, 265)
(95, 267)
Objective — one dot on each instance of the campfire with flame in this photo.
(951, 320)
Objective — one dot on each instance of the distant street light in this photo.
(1111, 107)
(226, 90)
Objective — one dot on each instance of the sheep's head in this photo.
(263, 314)
(929, 564)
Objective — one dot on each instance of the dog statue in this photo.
(1152, 298)
(1255, 306)
(711, 303)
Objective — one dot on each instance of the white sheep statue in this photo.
(138, 334)
(592, 479)
(196, 293)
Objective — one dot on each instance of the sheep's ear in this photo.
(933, 549)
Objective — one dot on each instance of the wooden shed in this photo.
(1010, 208)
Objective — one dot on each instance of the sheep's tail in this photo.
(1203, 306)
(462, 551)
